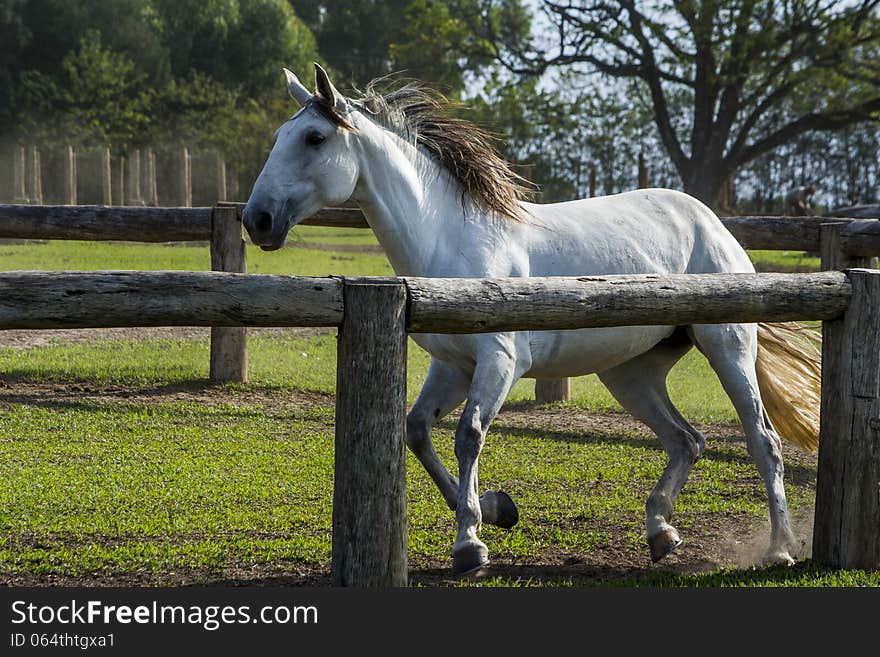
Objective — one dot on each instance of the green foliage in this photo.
(438, 41)
(444, 42)
(104, 94)
(353, 35)
(427, 50)
(139, 72)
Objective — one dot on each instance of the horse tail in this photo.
(789, 375)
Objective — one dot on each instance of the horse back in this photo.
(643, 231)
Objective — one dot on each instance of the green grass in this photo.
(61, 255)
(325, 235)
(784, 261)
(309, 363)
(89, 256)
(104, 488)
(97, 486)
(93, 487)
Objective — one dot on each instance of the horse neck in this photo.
(410, 201)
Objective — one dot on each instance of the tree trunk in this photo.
(705, 183)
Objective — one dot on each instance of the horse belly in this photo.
(585, 351)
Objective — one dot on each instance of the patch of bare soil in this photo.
(26, 339)
(711, 541)
(55, 395)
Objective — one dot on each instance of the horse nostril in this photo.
(263, 223)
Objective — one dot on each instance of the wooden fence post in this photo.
(19, 175)
(184, 178)
(369, 495)
(133, 186)
(106, 188)
(846, 529)
(69, 175)
(36, 194)
(221, 178)
(552, 390)
(831, 253)
(228, 343)
(151, 188)
(119, 188)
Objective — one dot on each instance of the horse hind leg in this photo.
(731, 350)
(640, 387)
(444, 389)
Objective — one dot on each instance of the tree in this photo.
(105, 94)
(354, 35)
(753, 75)
(442, 42)
(560, 134)
(36, 36)
(133, 73)
(13, 37)
(437, 41)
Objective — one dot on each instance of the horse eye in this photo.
(315, 139)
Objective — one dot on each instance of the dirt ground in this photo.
(711, 541)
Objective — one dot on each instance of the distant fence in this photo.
(168, 176)
(843, 243)
(374, 316)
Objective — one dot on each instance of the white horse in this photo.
(443, 204)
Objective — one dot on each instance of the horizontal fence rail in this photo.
(35, 300)
(457, 305)
(486, 305)
(101, 222)
(134, 224)
(859, 237)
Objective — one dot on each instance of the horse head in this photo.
(311, 165)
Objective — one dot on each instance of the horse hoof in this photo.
(470, 559)
(498, 509)
(779, 557)
(663, 543)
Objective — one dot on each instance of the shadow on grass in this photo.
(80, 395)
(806, 573)
(25, 376)
(803, 574)
(800, 474)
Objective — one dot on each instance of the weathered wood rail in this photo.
(135, 224)
(72, 299)
(487, 305)
(859, 237)
(374, 316)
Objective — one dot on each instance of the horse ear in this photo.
(296, 89)
(325, 89)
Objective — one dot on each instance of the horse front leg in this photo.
(495, 374)
(445, 387)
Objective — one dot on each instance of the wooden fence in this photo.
(144, 176)
(374, 316)
(843, 243)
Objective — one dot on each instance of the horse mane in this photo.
(424, 117)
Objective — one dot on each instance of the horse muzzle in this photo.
(266, 229)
